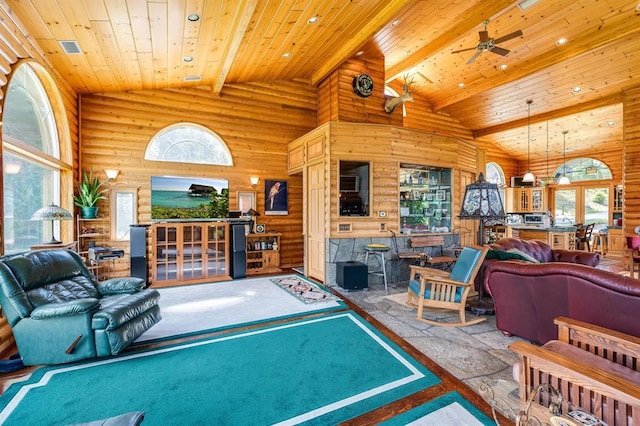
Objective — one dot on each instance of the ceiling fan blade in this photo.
(473, 58)
(484, 36)
(500, 50)
(464, 50)
(508, 37)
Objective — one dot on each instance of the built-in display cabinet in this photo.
(188, 252)
(526, 200)
(425, 199)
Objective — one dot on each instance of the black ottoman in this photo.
(352, 275)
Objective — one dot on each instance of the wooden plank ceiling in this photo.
(146, 44)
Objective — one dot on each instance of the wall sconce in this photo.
(112, 173)
(254, 180)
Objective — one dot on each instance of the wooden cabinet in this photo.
(561, 240)
(616, 240)
(425, 199)
(526, 200)
(263, 253)
(188, 252)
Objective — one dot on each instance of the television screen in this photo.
(189, 198)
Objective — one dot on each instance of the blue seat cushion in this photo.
(414, 285)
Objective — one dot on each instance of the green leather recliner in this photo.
(59, 313)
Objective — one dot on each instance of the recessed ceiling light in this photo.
(193, 17)
(576, 89)
(188, 59)
(461, 85)
(312, 20)
(561, 41)
(526, 4)
(504, 66)
(394, 23)
(286, 55)
(611, 123)
(499, 113)
(360, 53)
(193, 78)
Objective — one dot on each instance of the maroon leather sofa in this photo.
(539, 250)
(528, 296)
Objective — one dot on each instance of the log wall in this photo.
(256, 121)
(631, 160)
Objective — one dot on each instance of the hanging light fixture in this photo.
(529, 177)
(564, 180)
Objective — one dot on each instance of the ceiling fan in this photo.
(488, 44)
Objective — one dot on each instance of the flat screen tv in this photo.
(188, 198)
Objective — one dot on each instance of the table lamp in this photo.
(482, 201)
(52, 213)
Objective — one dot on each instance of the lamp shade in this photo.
(51, 212)
(482, 201)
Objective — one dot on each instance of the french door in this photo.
(582, 204)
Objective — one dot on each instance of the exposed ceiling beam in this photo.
(245, 9)
(367, 32)
(619, 27)
(470, 20)
(551, 115)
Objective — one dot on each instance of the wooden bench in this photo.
(423, 251)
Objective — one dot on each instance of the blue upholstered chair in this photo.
(433, 289)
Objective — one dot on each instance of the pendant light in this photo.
(564, 180)
(529, 177)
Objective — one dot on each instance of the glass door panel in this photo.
(565, 206)
(596, 206)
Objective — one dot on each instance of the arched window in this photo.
(581, 169)
(31, 159)
(494, 174)
(188, 143)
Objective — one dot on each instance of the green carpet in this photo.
(315, 371)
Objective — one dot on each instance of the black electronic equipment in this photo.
(104, 253)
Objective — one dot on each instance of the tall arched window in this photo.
(31, 159)
(188, 143)
(494, 174)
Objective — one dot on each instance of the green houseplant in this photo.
(90, 191)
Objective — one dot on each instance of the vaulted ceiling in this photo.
(150, 44)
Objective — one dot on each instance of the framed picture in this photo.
(246, 201)
(275, 197)
(429, 196)
(441, 195)
(416, 194)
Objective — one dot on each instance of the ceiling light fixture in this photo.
(564, 180)
(395, 23)
(313, 20)
(461, 85)
(526, 4)
(360, 53)
(504, 67)
(611, 123)
(286, 55)
(193, 17)
(561, 41)
(529, 177)
(188, 59)
(576, 89)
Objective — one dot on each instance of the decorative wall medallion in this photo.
(363, 85)
(260, 229)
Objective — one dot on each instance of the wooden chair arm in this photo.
(572, 371)
(579, 333)
(425, 271)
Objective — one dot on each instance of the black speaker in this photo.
(138, 251)
(352, 275)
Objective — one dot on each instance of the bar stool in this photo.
(600, 242)
(378, 250)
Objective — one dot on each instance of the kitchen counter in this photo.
(542, 228)
(558, 237)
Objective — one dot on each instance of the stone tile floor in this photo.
(476, 354)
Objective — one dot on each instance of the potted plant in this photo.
(90, 191)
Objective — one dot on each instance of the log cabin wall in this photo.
(257, 121)
(16, 46)
(631, 160)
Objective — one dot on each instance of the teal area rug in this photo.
(449, 409)
(320, 371)
(194, 309)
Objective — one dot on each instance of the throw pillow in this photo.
(527, 256)
(503, 255)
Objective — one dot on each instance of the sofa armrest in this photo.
(72, 307)
(576, 256)
(121, 285)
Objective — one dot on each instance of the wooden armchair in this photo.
(434, 289)
(592, 368)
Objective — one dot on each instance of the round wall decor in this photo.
(260, 229)
(363, 85)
